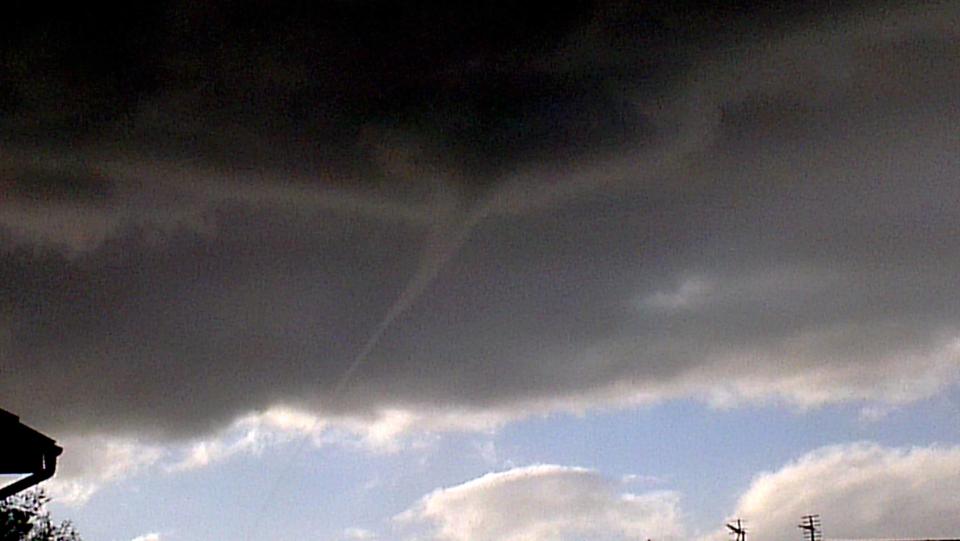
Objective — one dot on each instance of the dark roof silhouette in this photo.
(25, 451)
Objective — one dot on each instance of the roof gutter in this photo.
(25, 451)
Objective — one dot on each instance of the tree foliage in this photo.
(24, 517)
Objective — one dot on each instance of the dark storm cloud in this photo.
(476, 209)
(490, 82)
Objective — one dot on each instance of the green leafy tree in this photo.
(24, 517)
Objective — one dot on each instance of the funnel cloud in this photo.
(474, 211)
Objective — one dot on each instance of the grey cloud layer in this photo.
(790, 231)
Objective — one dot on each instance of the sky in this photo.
(370, 270)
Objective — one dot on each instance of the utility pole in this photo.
(810, 524)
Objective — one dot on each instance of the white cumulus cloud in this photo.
(97, 460)
(544, 502)
(358, 534)
(861, 490)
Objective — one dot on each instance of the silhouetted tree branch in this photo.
(24, 517)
